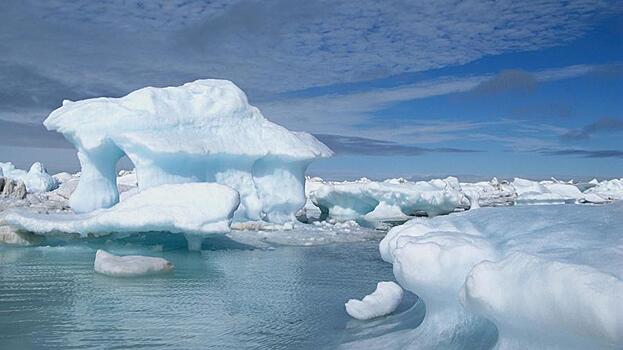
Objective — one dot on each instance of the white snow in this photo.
(200, 131)
(389, 199)
(547, 276)
(383, 301)
(129, 265)
(197, 208)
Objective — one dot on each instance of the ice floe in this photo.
(383, 301)
(129, 265)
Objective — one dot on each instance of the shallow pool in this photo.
(226, 296)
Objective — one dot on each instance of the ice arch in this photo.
(200, 131)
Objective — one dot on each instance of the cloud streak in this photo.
(600, 126)
(364, 146)
(584, 153)
(511, 80)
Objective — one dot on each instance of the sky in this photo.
(396, 88)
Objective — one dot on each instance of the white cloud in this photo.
(275, 45)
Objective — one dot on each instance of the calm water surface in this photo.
(227, 296)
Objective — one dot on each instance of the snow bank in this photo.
(195, 208)
(36, 179)
(130, 265)
(200, 131)
(388, 199)
(547, 276)
(383, 301)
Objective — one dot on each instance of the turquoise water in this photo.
(226, 296)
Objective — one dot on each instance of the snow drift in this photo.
(129, 265)
(200, 131)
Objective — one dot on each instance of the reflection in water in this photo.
(230, 296)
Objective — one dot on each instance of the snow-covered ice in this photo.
(129, 265)
(389, 199)
(36, 179)
(192, 208)
(383, 301)
(552, 192)
(547, 276)
(608, 189)
(200, 131)
(489, 193)
(546, 303)
(263, 235)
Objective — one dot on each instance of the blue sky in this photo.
(396, 88)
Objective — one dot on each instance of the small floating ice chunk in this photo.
(130, 265)
(383, 301)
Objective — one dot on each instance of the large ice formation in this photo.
(200, 131)
(383, 301)
(191, 208)
(129, 265)
(394, 198)
(546, 276)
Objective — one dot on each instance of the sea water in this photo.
(226, 296)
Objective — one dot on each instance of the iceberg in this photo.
(546, 276)
(203, 131)
(190, 208)
(383, 301)
(390, 199)
(129, 265)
